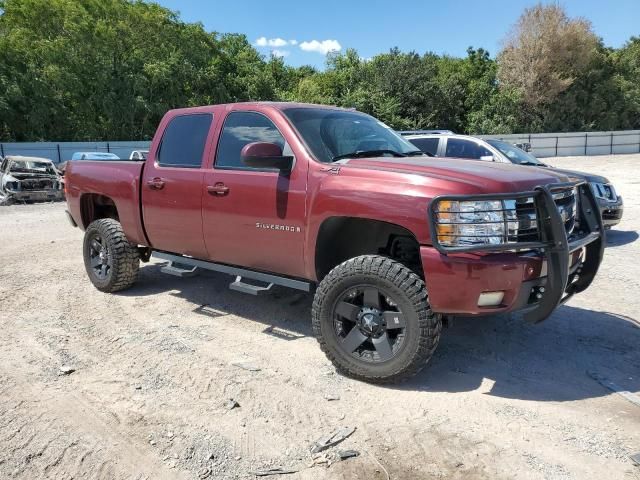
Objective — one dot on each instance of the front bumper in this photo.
(611, 211)
(561, 266)
(35, 195)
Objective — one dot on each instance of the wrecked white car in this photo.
(29, 179)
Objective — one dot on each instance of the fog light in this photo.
(490, 299)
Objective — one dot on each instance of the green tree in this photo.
(109, 69)
(93, 69)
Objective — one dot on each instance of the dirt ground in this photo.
(154, 370)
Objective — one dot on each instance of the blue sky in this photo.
(372, 26)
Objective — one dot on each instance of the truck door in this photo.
(172, 186)
(254, 217)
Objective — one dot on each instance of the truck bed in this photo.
(118, 180)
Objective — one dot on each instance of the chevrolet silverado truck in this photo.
(332, 201)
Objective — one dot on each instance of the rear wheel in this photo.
(111, 261)
(372, 318)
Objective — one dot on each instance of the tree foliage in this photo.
(87, 69)
(545, 52)
(109, 69)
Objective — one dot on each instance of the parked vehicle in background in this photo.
(99, 156)
(526, 146)
(331, 200)
(461, 146)
(29, 179)
(405, 133)
(139, 155)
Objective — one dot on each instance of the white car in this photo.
(139, 155)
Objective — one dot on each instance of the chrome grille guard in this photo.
(552, 242)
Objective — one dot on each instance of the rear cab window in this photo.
(184, 141)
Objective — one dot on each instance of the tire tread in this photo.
(430, 323)
(125, 255)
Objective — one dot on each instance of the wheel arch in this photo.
(340, 238)
(94, 206)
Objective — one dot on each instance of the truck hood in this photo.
(483, 177)
(589, 177)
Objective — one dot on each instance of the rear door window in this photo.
(184, 140)
(427, 145)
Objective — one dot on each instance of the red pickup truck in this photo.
(332, 200)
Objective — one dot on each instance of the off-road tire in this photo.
(423, 325)
(125, 257)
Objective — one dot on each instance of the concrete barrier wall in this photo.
(62, 151)
(542, 145)
(576, 143)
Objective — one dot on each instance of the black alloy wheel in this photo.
(372, 318)
(100, 259)
(369, 324)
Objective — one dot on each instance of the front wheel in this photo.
(112, 262)
(372, 318)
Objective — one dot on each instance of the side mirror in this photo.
(487, 158)
(266, 155)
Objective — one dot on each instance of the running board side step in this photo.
(240, 286)
(184, 262)
(178, 270)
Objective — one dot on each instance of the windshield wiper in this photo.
(368, 153)
(418, 153)
(533, 163)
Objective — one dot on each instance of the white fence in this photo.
(576, 143)
(62, 151)
(542, 145)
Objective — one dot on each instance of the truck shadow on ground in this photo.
(502, 355)
(556, 360)
(617, 238)
(210, 295)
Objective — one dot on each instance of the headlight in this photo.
(604, 191)
(486, 222)
(12, 185)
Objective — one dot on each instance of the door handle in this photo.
(218, 189)
(155, 183)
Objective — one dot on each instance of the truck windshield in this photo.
(515, 154)
(331, 134)
(30, 166)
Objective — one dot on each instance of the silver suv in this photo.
(447, 144)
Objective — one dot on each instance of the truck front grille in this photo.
(528, 225)
(37, 184)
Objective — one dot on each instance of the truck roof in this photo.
(277, 105)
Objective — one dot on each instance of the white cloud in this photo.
(271, 42)
(280, 53)
(293, 42)
(323, 47)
